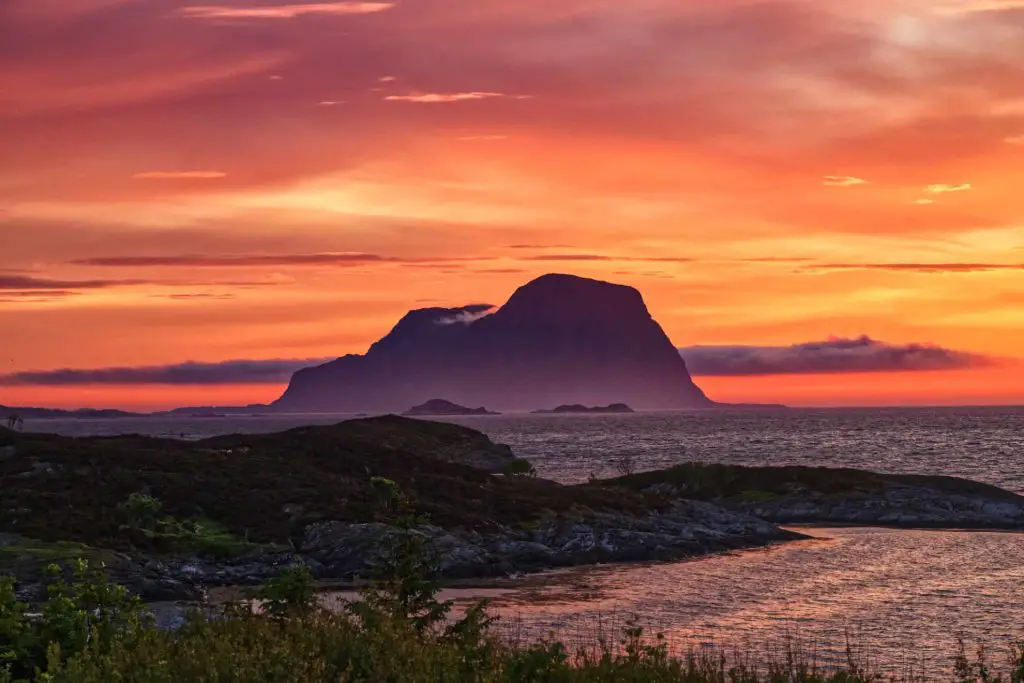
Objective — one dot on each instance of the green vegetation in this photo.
(88, 631)
(148, 527)
(520, 468)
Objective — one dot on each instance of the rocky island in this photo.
(820, 495)
(573, 409)
(560, 339)
(439, 407)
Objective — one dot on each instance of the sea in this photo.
(901, 599)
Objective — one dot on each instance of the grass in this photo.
(321, 647)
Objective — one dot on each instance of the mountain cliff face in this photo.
(559, 339)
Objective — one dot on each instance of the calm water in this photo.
(986, 444)
(898, 593)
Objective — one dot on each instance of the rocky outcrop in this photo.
(559, 339)
(818, 495)
(687, 529)
(900, 506)
(614, 408)
(438, 407)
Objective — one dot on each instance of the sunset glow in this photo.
(264, 180)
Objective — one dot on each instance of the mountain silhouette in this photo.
(560, 339)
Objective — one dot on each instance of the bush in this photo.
(87, 612)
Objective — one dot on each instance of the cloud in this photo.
(436, 98)
(29, 285)
(196, 295)
(272, 371)
(1014, 140)
(606, 257)
(980, 6)
(924, 202)
(540, 246)
(843, 181)
(387, 79)
(837, 355)
(178, 175)
(468, 314)
(921, 267)
(282, 11)
(257, 260)
(943, 189)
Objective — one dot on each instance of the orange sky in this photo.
(766, 172)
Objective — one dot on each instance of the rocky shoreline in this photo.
(236, 510)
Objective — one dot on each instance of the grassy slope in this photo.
(268, 487)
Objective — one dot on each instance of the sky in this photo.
(264, 181)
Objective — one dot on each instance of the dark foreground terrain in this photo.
(169, 517)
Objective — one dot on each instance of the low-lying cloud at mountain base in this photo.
(836, 355)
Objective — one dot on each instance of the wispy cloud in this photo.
(608, 257)
(437, 98)
(944, 189)
(922, 267)
(979, 6)
(35, 285)
(256, 260)
(1014, 140)
(283, 11)
(272, 371)
(474, 138)
(836, 355)
(924, 202)
(843, 181)
(179, 175)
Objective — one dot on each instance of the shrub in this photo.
(521, 468)
(87, 612)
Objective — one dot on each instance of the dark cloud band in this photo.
(838, 355)
(273, 371)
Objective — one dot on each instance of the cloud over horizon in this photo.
(270, 371)
(836, 355)
(282, 11)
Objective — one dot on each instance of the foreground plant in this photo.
(89, 631)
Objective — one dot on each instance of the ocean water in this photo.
(902, 597)
(986, 444)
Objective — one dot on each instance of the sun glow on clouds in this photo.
(677, 147)
(944, 189)
(843, 181)
(283, 11)
(435, 98)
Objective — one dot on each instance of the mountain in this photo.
(559, 339)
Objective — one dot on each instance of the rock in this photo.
(614, 408)
(559, 339)
(438, 407)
